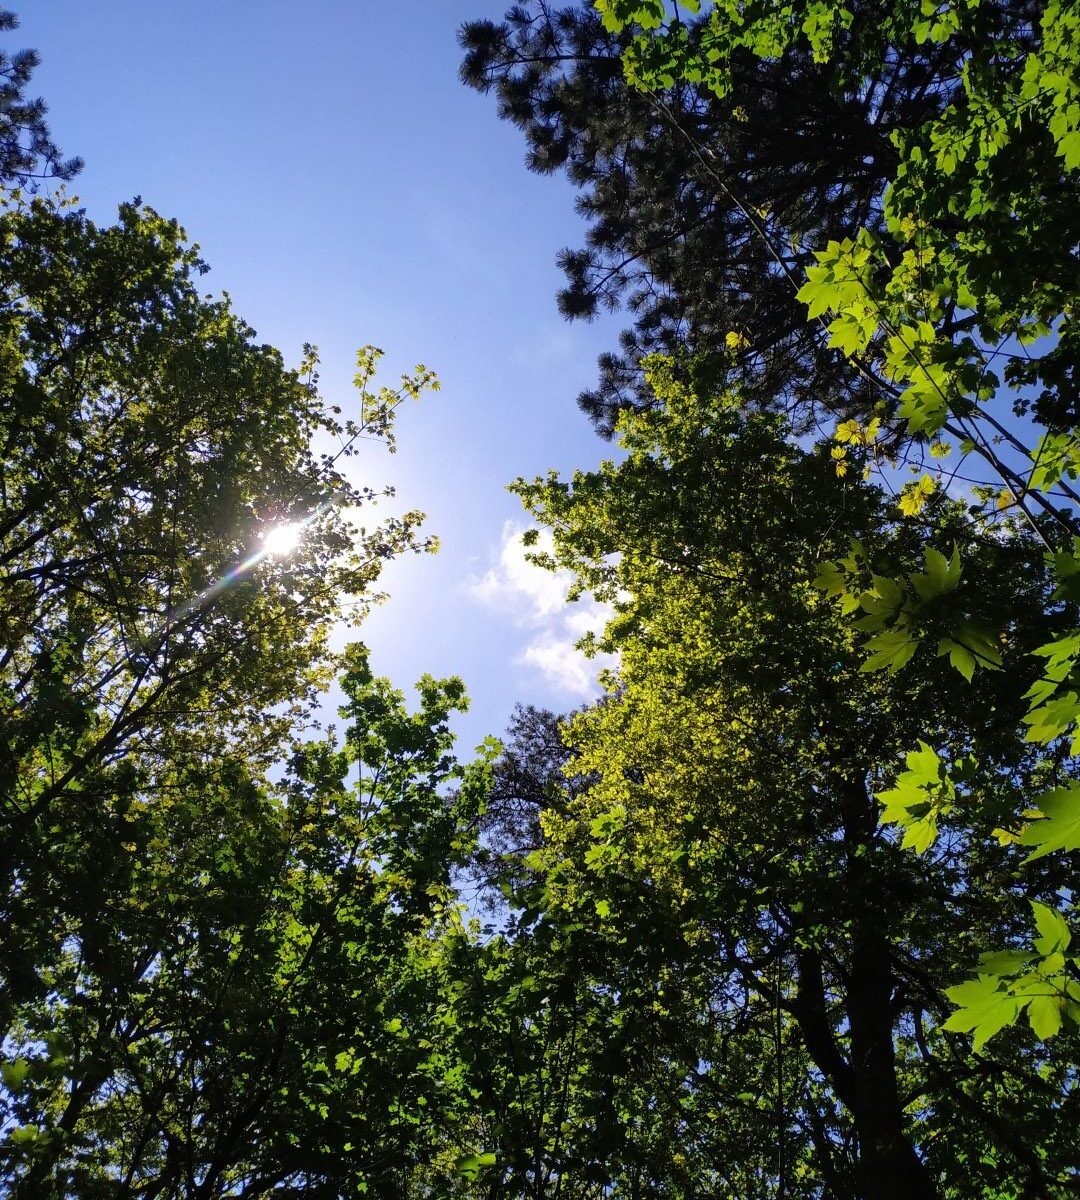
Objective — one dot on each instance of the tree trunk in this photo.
(888, 1165)
(863, 1074)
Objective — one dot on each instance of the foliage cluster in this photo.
(837, 718)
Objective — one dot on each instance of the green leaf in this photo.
(921, 796)
(1069, 149)
(1054, 718)
(830, 579)
(469, 1166)
(941, 575)
(924, 764)
(850, 333)
(921, 834)
(1003, 962)
(981, 643)
(1054, 935)
(1059, 826)
(24, 1135)
(1045, 1014)
(960, 657)
(14, 1073)
(889, 590)
(889, 650)
(983, 1008)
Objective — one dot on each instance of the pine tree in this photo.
(703, 211)
(27, 152)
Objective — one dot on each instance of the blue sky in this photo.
(347, 189)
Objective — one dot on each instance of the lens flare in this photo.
(277, 542)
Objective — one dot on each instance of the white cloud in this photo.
(535, 600)
(564, 667)
(526, 592)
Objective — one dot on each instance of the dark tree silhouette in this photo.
(27, 152)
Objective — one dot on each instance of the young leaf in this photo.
(960, 657)
(1054, 935)
(1059, 826)
(1045, 1013)
(983, 1008)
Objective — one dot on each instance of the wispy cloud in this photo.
(535, 600)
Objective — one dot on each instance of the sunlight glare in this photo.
(282, 539)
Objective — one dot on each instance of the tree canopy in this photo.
(863, 219)
(788, 911)
(731, 847)
(168, 1004)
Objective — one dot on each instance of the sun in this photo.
(282, 539)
